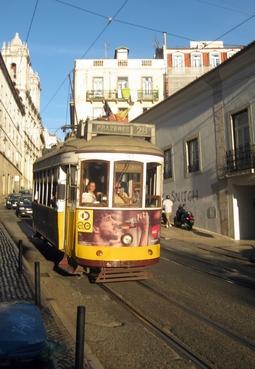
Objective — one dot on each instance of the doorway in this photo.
(244, 209)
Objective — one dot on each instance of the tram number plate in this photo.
(85, 221)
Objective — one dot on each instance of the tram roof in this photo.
(99, 144)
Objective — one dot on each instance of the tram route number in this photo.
(85, 221)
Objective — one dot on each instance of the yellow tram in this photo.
(97, 197)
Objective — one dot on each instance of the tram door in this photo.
(70, 210)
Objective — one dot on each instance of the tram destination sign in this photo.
(138, 130)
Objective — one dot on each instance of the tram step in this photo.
(107, 275)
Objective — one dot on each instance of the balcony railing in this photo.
(113, 95)
(241, 158)
(144, 95)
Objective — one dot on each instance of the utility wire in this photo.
(122, 21)
(109, 21)
(32, 19)
(231, 30)
(223, 7)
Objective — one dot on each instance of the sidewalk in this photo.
(235, 258)
(245, 249)
(17, 287)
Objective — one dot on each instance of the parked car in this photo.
(24, 206)
(12, 200)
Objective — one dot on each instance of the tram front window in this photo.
(153, 185)
(94, 183)
(128, 176)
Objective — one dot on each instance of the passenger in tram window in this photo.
(120, 196)
(53, 200)
(89, 196)
(136, 199)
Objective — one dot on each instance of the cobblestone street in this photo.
(15, 286)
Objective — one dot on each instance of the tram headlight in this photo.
(99, 253)
(150, 252)
(127, 239)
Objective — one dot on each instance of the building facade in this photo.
(25, 82)
(128, 85)
(12, 113)
(207, 132)
(185, 64)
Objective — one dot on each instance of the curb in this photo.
(92, 361)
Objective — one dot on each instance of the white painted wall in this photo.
(85, 71)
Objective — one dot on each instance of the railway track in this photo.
(226, 331)
(168, 338)
(215, 271)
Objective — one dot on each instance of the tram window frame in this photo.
(44, 188)
(127, 193)
(72, 187)
(40, 188)
(102, 199)
(49, 187)
(153, 190)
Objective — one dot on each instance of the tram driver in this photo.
(89, 196)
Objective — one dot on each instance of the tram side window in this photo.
(128, 177)
(94, 183)
(153, 185)
(72, 186)
(41, 189)
(49, 188)
(54, 188)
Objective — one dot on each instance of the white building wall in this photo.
(222, 198)
(85, 71)
(27, 84)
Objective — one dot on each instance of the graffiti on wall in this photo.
(184, 196)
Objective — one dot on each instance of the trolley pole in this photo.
(80, 338)
(20, 264)
(37, 284)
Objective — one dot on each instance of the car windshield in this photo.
(26, 200)
(14, 197)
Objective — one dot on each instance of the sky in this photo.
(58, 34)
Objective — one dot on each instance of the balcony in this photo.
(113, 95)
(151, 95)
(240, 159)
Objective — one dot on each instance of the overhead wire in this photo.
(230, 30)
(32, 20)
(109, 21)
(223, 7)
(141, 26)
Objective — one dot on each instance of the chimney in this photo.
(164, 40)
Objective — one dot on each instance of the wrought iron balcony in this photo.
(241, 158)
(100, 95)
(144, 95)
(112, 95)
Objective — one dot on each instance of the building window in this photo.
(98, 63)
(147, 86)
(240, 127)
(168, 170)
(242, 154)
(215, 59)
(146, 63)
(193, 155)
(13, 70)
(98, 86)
(178, 60)
(196, 60)
(123, 91)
